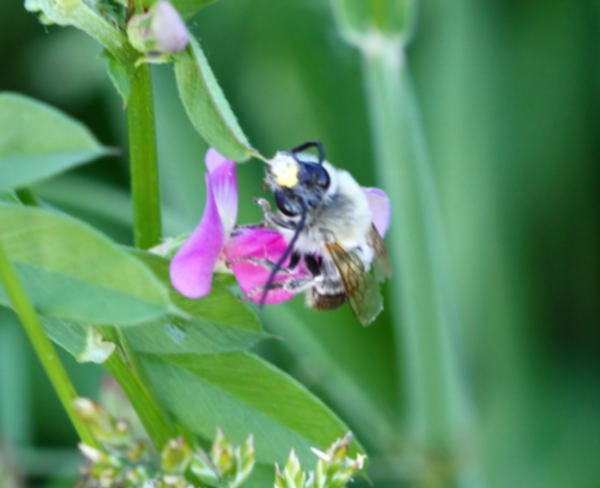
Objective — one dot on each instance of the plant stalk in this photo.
(153, 419)
(143, 160)
(122, 365)
(44, 349)
(422, 307)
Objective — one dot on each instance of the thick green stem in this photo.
(43, 347)
(423, 311)
(147, 232)
(153, 419)
(143, 160)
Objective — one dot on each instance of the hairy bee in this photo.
(326, 217)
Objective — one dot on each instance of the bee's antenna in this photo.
(306, 145)
(288, 250)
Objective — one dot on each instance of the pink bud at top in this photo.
(168, 27)
(161, 30)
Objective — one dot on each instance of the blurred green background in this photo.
(509, 91)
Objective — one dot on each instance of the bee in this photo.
(326, 218)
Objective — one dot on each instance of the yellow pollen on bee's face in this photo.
(285, 172)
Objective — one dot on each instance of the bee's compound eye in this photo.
(316, 175)
(287, 205)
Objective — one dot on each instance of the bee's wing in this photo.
(361, 287)
(381, 261)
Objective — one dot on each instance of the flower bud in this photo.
(221, 454)
(159, 31)
(105, 428)
(176, 456)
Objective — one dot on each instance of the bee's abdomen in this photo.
(318, 301)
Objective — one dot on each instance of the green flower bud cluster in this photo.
(122, 462)
(225, 466)
(334, 469)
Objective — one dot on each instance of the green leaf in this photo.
(117, 72)
(242, 394)
(67, 334)
(37, 141)
(71, 271)
(219, 322)
(206, 105)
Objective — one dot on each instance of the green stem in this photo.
(43, 347)
(423, 311)
(143, 160)
(154, 420)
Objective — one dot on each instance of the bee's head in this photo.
(298, 181)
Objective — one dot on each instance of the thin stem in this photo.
(143, 160)
(154, 420)
(423, 311)
(43, 347)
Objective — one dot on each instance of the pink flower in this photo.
(217, 243)
(381, 210)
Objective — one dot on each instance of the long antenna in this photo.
(284, 256)
(306, 145)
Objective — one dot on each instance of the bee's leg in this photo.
(265, 263)
(272, 219)
(293, 285)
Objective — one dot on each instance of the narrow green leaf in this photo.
(37, 141)
(243, 394)
(206, 105)
(71, 271)
(219, 322)
(117, 72)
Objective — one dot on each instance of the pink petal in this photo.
(192, 267)
(258, 243)
(381, 209)
(223, 181)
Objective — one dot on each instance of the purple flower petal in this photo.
(258, 243)
(192, 267)
(381, 209)
(223, 182)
